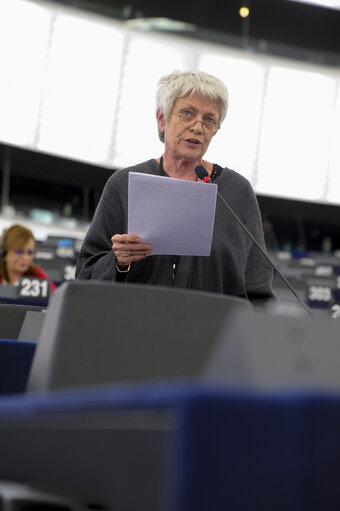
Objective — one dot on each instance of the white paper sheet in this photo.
(174, 215)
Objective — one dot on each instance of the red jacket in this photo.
(41, 274)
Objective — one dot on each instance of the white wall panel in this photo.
(81, 89)
(333, 188)
(24, 32)
(296, 134)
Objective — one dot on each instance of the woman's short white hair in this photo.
(185, 83)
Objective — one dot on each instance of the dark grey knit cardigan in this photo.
(234, 267)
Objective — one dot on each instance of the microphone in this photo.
(202, 173)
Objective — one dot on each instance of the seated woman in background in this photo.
(17, 247)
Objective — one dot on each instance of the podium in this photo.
(101, 332)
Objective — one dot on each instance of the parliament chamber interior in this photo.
(119, 396)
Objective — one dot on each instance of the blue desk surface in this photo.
(24, 301)
(229, 449)
(15, 364)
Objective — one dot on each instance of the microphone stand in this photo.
(206, 178)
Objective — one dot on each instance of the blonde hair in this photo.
(13, 238)
(180, 84)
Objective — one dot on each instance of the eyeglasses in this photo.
(186, 118)
(22, 251)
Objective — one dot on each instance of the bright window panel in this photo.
(24, 30)
(235, 143)
(333, 194)
(81, 89)
(148, 59)
(296, 133)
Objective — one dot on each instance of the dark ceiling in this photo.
(274, 26)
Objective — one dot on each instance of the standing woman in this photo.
(17, 247)
(190, 109)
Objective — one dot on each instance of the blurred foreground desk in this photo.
(174, 447)
(134, 403)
